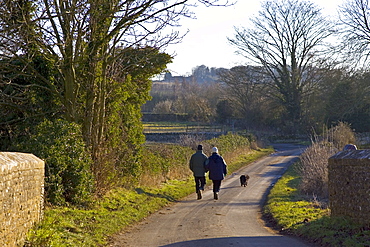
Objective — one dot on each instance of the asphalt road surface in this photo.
(232, 220)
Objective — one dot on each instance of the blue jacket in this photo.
(216, 166)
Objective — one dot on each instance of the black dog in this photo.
(244, 180)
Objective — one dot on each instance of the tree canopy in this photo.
(90, 62)
(286, 38)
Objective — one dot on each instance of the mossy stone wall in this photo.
(349, 185)
(21, 196)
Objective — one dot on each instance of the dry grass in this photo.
(341, 135)
(233, 156)
(162, 162)
(313, 168)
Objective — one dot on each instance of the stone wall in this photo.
(349, 185)
(21, 196)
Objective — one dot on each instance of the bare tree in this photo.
(355, 27)
(286, 38)
(245, 89)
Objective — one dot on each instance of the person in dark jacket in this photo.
(196, 165)
(217, 168)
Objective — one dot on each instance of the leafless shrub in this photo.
(313, 167)
(341, 135)
(163, 107)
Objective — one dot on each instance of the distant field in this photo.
(167, 127)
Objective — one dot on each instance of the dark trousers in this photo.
(216, 185)
(199, 182)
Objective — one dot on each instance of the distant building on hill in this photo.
(200, 74)
(169, 78)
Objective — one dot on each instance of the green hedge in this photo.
(68, 178)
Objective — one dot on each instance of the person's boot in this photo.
(199, 195)
(215, 195)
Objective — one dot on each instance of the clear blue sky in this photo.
(206, 43)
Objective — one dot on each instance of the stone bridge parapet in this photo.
(21, 196)
(349, 185)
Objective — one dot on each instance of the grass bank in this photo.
(69, 226)
(294, 214)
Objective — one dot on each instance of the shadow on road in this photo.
(169, 198)
(237, 241)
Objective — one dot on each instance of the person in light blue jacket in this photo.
(217, 168)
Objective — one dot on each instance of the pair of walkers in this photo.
(216, 166)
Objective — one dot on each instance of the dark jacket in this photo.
(216, 166)
(196, 164)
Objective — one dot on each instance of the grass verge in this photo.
(68, 226)
(293, 214)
